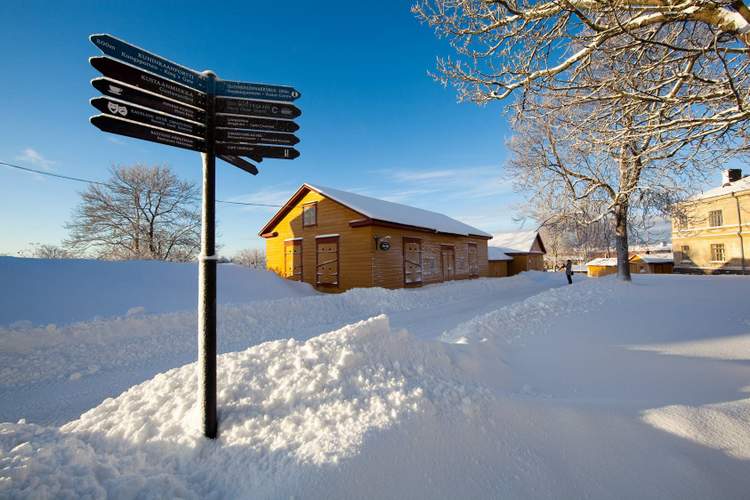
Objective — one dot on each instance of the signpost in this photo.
(154, 99)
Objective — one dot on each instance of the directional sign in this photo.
(228, 148)
(146, 81)
(240, 163)
(255, 137)
(115, 89)
(138, 131)
(271, 125)
(249, 90)
(148, 117)
(140, 58)
(256, 108)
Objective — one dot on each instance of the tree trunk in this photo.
(621, 241)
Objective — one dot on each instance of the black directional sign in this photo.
(138, 131)
(256, 108)
(145, 116)
(255, 137)
(268, 124)
(126, 93)
(123, 51)
(240, 163)
(229, 148)
(247, 90)
(146, 81)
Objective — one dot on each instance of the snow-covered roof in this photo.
(494, 253)
(603, 261)
(517, 242)
(397, 213)
(733, 187)
(656, 258)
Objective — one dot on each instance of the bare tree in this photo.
(251, 257)
(46, 251)
(140, 213)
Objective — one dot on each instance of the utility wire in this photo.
(89, 181)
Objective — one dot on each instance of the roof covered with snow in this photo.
(494, 253)
(733, 187)
(603, 261)
(387, 211)
(517, 242)
(660, 258)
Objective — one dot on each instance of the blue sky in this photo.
(373, 121)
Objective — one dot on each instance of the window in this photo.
(715, 218)
(717, 252)
(412, 261)
(684, 253)
(310, 214)
(327, 264)
(682, 221)
(293, 259)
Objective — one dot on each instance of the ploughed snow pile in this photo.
(288, 409)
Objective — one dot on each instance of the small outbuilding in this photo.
(498, 262)
(651, 263)
(524, 247)
(336, 240)
(602, 266)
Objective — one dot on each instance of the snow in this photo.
(603, 261)
(494, 253)
(657, 258)
(42, 291)
(395, 212)
(515, 387)
(517, 242)
(732, 187)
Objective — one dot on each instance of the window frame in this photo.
(715, 215)
(314, 206)
(715, 250)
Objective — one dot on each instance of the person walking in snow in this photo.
(569, 271)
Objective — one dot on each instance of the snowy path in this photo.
(51, 376)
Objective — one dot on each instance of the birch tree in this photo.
(140, 213)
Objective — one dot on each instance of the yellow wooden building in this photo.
(644, 263)
(601, 266)
(498, 262)
(337, 240)
(525, 249)
(711, 231)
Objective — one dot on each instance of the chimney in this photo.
(730, 175)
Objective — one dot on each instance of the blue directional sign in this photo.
(247, 90)
(118, 49)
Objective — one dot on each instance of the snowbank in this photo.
(42, 291)
(289, 410)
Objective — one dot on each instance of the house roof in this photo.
(382, 211)
(494, 253)
(733, 187)
(517, 242)
(655, 258)
(603, 261)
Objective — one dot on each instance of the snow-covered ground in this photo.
(504, 388)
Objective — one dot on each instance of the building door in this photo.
(473, 261)
(327, 263)
(448, 257)
(293, 259)
(412, 261)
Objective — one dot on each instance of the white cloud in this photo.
(36, 158)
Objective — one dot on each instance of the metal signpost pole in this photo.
(207, 277)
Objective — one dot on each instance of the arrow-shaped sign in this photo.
(228, 148)
(146, 81)
(147, 117)
(126, 93)
(138, 131)
(268, 124)
(255, 137)
(147, 61)
(248, 90)
(247, 107)
(240, 163)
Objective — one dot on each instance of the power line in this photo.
(89, 181)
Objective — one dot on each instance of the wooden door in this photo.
(448, 257)
(412, 261)
(327, 261)
(473, 258)
(293, 260)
